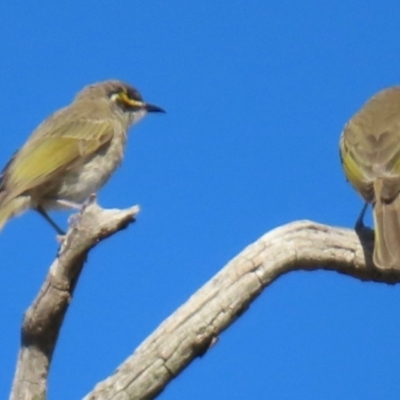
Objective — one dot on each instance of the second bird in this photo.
(73, 153)
(370, 152)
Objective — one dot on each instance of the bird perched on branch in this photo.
(73, 153)
(370, 153)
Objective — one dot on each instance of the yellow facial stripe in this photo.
(131, 102)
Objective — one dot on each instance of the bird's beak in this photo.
(152, 108)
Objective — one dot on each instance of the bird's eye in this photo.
(134, 94)
(125, 101)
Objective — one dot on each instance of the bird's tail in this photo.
(387, 234)
(11, 207)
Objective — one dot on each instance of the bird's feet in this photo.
(359, 226)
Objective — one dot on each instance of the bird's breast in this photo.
(89, 175)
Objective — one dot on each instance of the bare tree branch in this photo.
(195, 326)
(43, 319)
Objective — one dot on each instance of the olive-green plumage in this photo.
(72, 153)
(370, 152)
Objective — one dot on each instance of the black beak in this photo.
(153, 108)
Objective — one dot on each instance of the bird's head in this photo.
(122, 98)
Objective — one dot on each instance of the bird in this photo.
(370, 156)
(73, 152)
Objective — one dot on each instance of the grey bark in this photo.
(195, 327)
(43, 319)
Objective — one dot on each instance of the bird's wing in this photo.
(58, 149)
(355, 165)
(371, 160)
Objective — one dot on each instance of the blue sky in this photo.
(257, 94)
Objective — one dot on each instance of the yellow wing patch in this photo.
(47, 156)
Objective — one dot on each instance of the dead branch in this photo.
(192, 329)
(44, 318)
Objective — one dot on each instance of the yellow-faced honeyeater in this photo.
(370, 153)
(73, 152)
